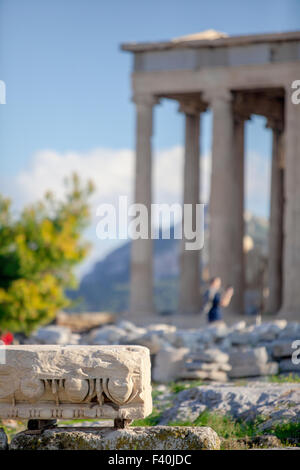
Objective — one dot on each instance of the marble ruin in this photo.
(71, 382)
(235, 77)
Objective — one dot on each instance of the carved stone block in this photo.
(69, 382)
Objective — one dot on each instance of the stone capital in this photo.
(216, 95)
(241, 116)
(145, 99)
(192, 107)
(275, 124)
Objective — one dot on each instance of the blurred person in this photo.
(213, 287)
(220, 300)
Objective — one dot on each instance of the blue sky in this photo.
(68, 83)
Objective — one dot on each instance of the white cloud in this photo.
(112, 172)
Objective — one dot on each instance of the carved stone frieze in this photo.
(52, 382)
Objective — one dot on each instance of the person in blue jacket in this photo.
(220, 300)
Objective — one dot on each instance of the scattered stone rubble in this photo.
(209, 364)
(79, 322)
(54, 334)
(272, 402)
(214, 353)
(251, 363)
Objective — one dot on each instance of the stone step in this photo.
(206, 366)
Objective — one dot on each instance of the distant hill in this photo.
(106, 287)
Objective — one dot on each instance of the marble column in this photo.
(189, 282)
(238, 256)
(226, 225)
(141, 287)
(291, 251)
(276, 220)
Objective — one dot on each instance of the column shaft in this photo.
(226, 199)
(291, 268)
(238, 258)
(276, 225)
(141, 288)
(189, 287)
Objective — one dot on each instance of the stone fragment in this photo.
(162, 328)
(240, 325)
(277, 403)
(194, 339)
(268, 331)
(207, 366)
(53, 334)
(287, 365)
(253, 370)
(266, 441)
(291, 331)
(131, 328)
(249, 357)
(168, 364)
(109, 334)
(282, 348)
(133, 438)
(79, 322)
(194, 374)
(210, 355)
(242, 336)
(216, 376)
(67, 382)
(151, 340)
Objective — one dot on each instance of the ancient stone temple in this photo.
(234, 77)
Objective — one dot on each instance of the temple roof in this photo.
(210, 38)
(208, 34)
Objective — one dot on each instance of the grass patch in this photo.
(290, 378)
(10, 431)
(225, 426)
(240, 383)
(156, 393)
(232, 430)
(176, 387)
(151, 420)
(70, 422)
(287, 431)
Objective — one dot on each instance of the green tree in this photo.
(38, 252)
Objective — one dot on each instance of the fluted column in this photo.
(276, 220)
(238, 256)
(189, 283)
(141, 287)
(291, 267)
(226, 197)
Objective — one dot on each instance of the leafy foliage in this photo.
(38, 252)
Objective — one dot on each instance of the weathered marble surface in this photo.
(48, 382)
(139, 438)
